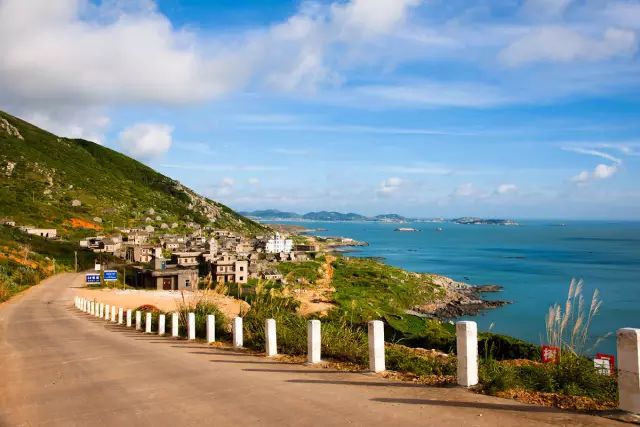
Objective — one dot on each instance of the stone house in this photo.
(229, 269)
(185, 259)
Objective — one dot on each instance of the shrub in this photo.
(202, 308)
(341, 341)
(290, 327)
(400, 358)
(574, 376)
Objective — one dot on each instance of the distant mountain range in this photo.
(277, 215)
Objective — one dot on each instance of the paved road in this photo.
(61, 367)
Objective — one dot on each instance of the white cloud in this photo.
(146, 140)
(437, 94)
(466, 190)
(507, 188)
(86, 54)
(389, 186)
(223, 188)
(600, 172)
(592, 152)
(545, 9)
(565, 45)
(88, 124)
(253, 181)
(370, 18)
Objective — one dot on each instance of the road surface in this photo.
(61, 367)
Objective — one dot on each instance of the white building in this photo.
(277, 244)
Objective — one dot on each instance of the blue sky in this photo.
(425, 108)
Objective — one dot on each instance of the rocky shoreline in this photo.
(461, 299)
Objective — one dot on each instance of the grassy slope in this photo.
(50, 172)
(26, 259)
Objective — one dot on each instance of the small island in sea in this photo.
(406, 229)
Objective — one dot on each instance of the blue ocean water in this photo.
(534, 262)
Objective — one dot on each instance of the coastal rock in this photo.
(461, 299)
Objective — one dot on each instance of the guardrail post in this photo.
(191, 326)
(376, 346)
(105, 315)
(138, 320)
(270, 340)
(237, 332)
(93, 307)
(313, 341)
(113, 313)
(628, 345)
(175, 325)
(161, 324)
(120, 315)
(129, 317)
(467, 349)
(147, 323)
(211, 328)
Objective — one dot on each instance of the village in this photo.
(174, 261)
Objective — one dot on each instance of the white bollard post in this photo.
(313, 341)
(175, 325)
(138, 320)
(84, 305)
(147, 323)
(376, 346)
(270, 340)
(211, 328)
(120, 315)
(100, 310)
(161, 324)
(191, 326)
(467, 348)
(129, 315)
(113, 314)
(628, 345)
(93, 307)
(107, 309)
(237, 332)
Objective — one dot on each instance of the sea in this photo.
(534, 262)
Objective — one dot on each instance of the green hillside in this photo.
(73, 185)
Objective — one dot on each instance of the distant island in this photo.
(330, 216)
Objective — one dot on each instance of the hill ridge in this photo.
(46, 180)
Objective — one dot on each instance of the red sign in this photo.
(605, 363)
(550, 354)
(611, 358)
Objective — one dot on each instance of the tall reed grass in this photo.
(567, 327)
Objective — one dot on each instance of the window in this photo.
(241, 278)
(241, 268)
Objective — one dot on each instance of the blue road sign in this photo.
(92, 278)
(110, 275)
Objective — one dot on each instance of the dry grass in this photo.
(568, 327)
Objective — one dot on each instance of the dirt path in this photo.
(318, 299)
(61, 367)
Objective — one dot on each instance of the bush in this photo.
(202, 309)
(574, 376)
(341, 341)
(400, 358)
(290, 327)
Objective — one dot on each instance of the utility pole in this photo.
(75, 255)
(54, 266)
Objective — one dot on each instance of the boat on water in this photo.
(406, 229)
(439, 229)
